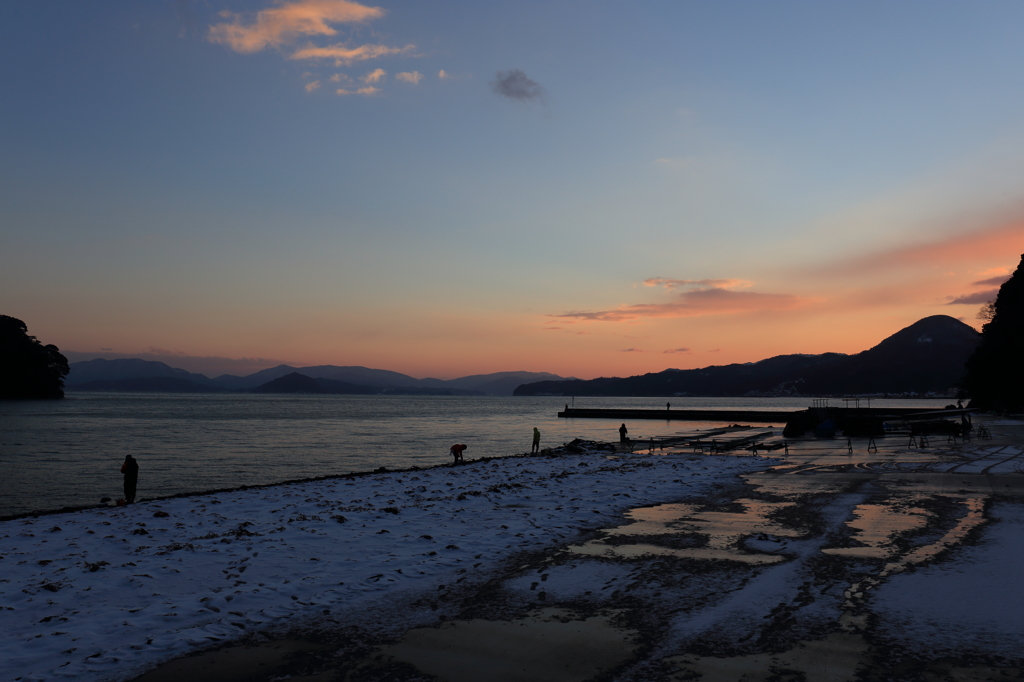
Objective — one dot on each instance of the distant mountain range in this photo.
(926, 357)
(131, 374)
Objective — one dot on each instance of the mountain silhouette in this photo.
(350, 379)
(127, 368)
(928, 356)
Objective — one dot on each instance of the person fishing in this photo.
(130, 469)
(536, 440)
(622, 434)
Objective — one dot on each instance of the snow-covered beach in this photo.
(896, 564)
(105, 594)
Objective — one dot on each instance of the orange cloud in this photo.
(671, 284)
(374, 76)
(992, 281)
(713, 301)
(312, 85)
(1000, 241)
(677, 350)
(413, 77)
(368, 90)
(346, 56)
(977, 297)
(280, 25)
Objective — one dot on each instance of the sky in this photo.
(449, 188)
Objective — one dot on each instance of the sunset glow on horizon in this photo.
(445, 189)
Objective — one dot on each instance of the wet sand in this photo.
(789, 574)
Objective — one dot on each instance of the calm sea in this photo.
(69, 452)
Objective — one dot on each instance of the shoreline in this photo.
(175, 576)
(258, 486)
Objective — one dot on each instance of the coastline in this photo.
(679, 564)
(178, 575)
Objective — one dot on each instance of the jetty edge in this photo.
(763, 416)
(853, 421)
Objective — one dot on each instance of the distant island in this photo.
(925, 358)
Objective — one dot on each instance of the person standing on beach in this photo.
(536, 440)
(457, 451)
(622, 433)
(130, 469)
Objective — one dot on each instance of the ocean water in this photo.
(56, 453)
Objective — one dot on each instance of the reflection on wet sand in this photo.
(900, 505)
(876, 526)
(724, 532)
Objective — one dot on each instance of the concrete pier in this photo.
(760, 416)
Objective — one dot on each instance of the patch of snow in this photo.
(978, 590)
(104, 594)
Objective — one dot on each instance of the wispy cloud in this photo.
(991, 281)
(632, 350)
(312, 85)
(672, 284)
(375, 76)
(712, 301)
(368, 90)
(515, 84)
(999, 241)
(283, 27)
(279, 26)
(677, 350)
(413, 77)
(346, 56)
(977, 297)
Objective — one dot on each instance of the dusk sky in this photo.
(451, 188)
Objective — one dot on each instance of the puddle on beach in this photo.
(236, 663)
(876, 526)
(549, 645)
(724, 532)
(835, 658)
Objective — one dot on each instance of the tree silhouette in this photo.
(995, 372)
(28, 369)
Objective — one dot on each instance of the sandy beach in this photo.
(672, 565)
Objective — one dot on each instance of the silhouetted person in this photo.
(457, 451)
(130, 469)
(622, 434)
(536, 440)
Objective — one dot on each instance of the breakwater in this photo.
(759, 416)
